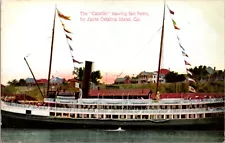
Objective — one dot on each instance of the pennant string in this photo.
(70, 47)
(178, 39)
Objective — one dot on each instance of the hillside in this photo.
(204, 87)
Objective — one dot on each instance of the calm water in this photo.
(108, 136)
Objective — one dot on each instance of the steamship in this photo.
(69, 110)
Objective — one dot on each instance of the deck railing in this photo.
(121, 111)
(134, 101)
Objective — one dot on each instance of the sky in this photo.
(114, 47)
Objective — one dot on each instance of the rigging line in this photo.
(142, 48)
(178, 40)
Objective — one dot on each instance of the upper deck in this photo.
(125, 102)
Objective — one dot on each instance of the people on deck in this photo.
(80, 93)
(150, 93)
(158, 95)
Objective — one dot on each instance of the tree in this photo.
(9, 82)
(180, 77)
(95, 75)
(127, 77)
(171, 77)
(80, 74)
(22, 82)
(174, 77)
(199, 73)
(13, 82)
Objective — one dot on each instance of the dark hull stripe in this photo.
(16, 120)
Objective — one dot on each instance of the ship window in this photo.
(151, 116)
(158, 116)
(28, 112)
(72, 115)
(131, 116)
(86, 115)
(65, 114)
(108, 116)
(131, 107)
(167, 116)
(182, 116)
(79, 115)
(52, 113)
(191, 115)
(144, 116)
(100, 116)
(122, 116)
(174, 116)
(115, 116)
(138, 116)
(92, 116)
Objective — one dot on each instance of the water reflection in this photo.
(106, 136)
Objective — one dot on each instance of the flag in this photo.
(176, 27)
(186, 63)
(66, 30)
(190, 79)
(184, 54)
(189, 72)
(68, 37)
(75, 61)
(171, 12)
(63, 16)
(174, 22)
(181, 47)
(70, 48)
(191, 89)
(62, 24)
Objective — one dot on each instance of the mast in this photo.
(33, 77)
(161, 46)
(50, 62)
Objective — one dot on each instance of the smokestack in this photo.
(214, 69)
(86, 80)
